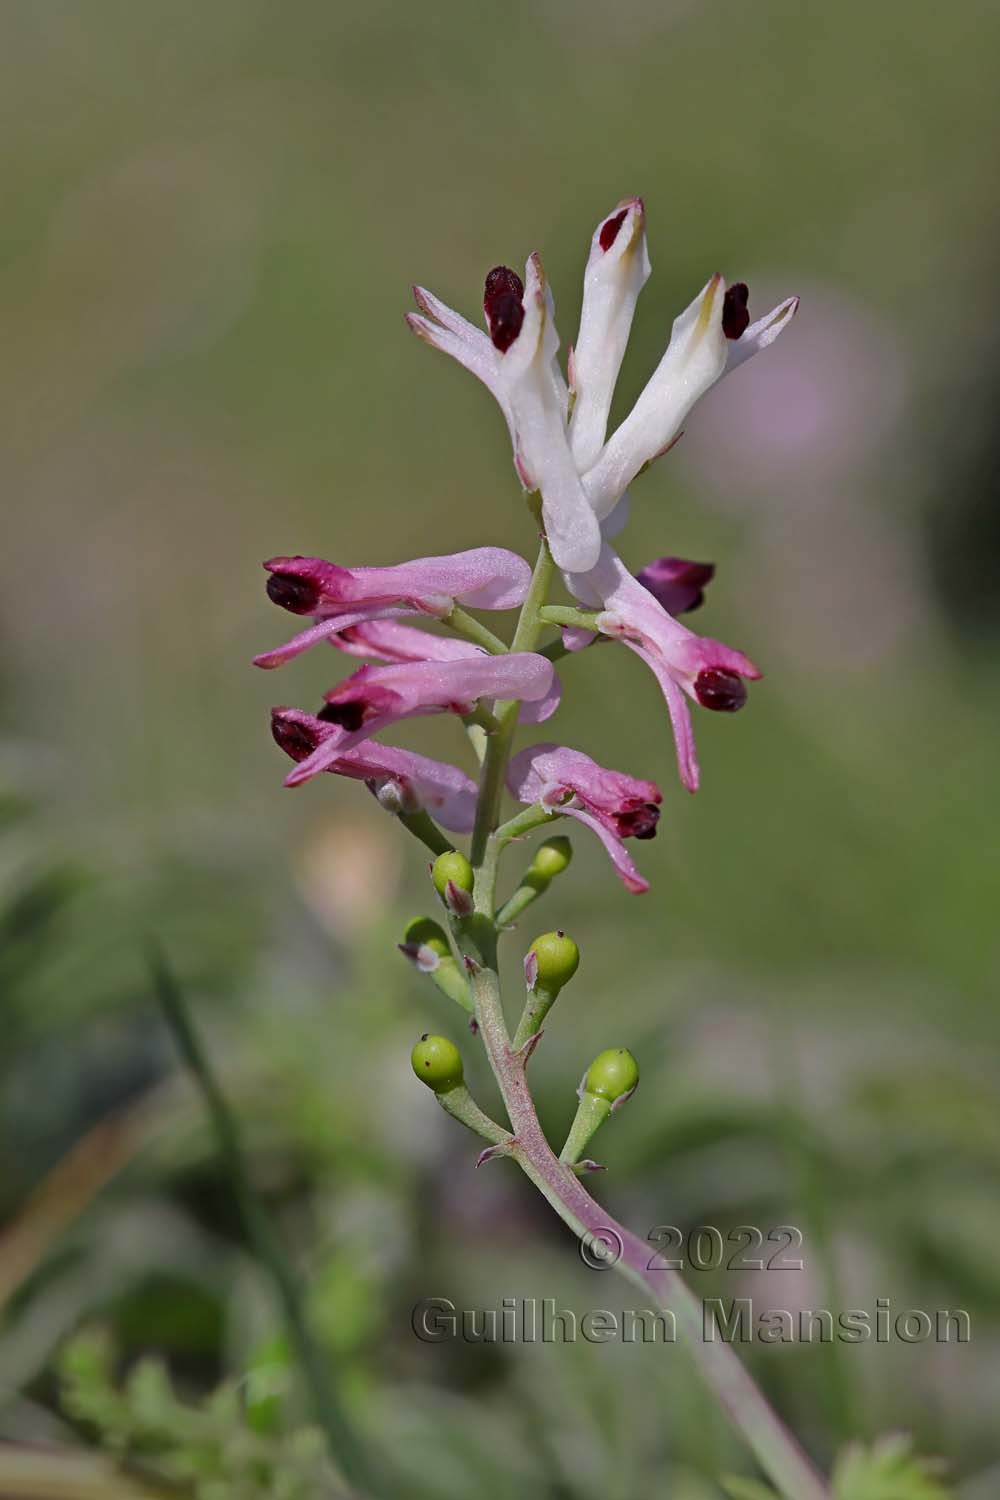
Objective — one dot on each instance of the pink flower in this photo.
(615, 806)
(400, 779)
(682, 662)
(343, 598)
(374, 697)
(390, 642)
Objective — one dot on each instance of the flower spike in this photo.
(613, 805)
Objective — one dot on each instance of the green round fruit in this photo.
(437, 1062)
(558, 959)
(453, 867)
(552, 857)
(612, 1074)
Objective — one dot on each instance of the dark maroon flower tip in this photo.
(291, 735)
(503, 305)
(349, 715)
(720, 690)
(678, 584)
(735, 312)
(638, 822)
(300, 595)
(610, 228)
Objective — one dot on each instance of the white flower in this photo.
(558, 432)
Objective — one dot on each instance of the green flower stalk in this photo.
(608, 1083)
(437, 1062)
(549, 964)
(425, 944)
(551, 858)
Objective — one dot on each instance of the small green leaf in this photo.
(889, 1470)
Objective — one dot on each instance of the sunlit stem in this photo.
(424, 828)
(459, 1103)
(474, 630)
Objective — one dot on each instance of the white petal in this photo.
(762, 333)
(535, 393)
(614, 524)
(695, 358)
(611, 286)
(453, 335)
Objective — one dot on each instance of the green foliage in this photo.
(232, 1442)
(888, 1470)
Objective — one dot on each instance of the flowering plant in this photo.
(576, 479)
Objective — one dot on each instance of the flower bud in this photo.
(452, 869)
(437, 1062)
(425, 944)
(613, 1075)
(552, 961)
(608, 1083)
(552, 857)
(424, 932)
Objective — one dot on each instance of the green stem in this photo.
(535, 816)
(529, 628)
(532, 886)
(459, 1103)
(475, 630)
(731, 1383)
(423, 827)
(562, 614)
(344, 1447)
(776, 1449)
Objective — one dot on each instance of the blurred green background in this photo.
(211, 217)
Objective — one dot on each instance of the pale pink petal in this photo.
(619, 855)
(483, 578)
(443, 790)
(537, 713)
(391, 642)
